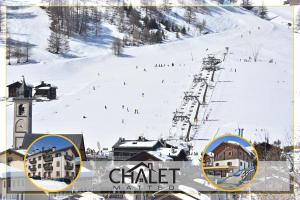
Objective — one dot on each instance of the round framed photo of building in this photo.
(230, 163)
(52, 163)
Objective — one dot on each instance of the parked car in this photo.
(66, 180)
(36, 178)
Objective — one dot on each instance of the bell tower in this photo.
(22, 114)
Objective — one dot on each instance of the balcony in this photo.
(69, 158)
(48, 158)
(33, 169)
(48, 167)
(69, 167)
(32, 162)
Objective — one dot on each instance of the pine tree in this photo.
(183, 30)
(58, 43)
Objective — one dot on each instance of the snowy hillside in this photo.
(252, 95)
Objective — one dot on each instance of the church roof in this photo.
(15, 84)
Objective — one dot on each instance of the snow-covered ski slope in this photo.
(256, 96)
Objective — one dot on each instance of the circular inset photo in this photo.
(52, 163)
(230, 163)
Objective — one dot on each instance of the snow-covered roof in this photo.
(160, 156)
(45, 88)
(21, 151)
(9, 172)
(138, 143)
(165, 154)
(90, 195)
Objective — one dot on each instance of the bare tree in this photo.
(8, 50)
(189, 14)
(121, 13)
(117, 47)
(96, 18)
(201, 26)
(27, 51)
(255, 53)
(18, 53)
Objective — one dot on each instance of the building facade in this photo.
(45, 90)
(125, 149)
(229, 158)
(53, 163)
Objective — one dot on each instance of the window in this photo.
(73, 173)
(229, 163)
(39, 166)
(58, 155)
(229, 153)
(217, 164)
(40, 157)
(39, 173)
(57, 174)
(57, 163)
(241, 164)
(21, 109)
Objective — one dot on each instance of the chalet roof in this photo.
(162, 154)
(141, 142)
(246, 150)
(15, 84)
(77, 139)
